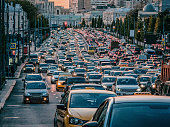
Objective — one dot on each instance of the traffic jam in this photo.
(100, 86)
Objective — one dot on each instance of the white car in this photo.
(126, 85)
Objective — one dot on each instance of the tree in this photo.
(158, 25)
(95, 22)
(151, 24)
(92, 22)
(83, 24)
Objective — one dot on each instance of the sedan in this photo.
(36, 91)
(78, 106)
(132, 111)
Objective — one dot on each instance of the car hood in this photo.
(127, 86)
(107, 84)
(44, 67)
(82, 113)
(36, 91)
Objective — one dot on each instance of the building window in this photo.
(58, 12)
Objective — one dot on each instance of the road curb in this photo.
(2, 102)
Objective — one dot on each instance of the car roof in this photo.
(91, 91)
(34, 74)
(142, 99)
(125, 77)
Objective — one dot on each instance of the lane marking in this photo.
(18, 95)
(54, 94)
(13, 105)
(57, 97)
(11, 117)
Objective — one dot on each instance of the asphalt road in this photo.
(17, 114)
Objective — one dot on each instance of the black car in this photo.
(33, 77)
(132, 111)
(29, 68)
(43, 67)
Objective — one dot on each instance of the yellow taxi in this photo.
(61, 80)
(78, 106)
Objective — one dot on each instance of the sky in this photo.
(64, 3)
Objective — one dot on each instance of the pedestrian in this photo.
(12, 70)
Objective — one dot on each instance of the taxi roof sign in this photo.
(142, 93)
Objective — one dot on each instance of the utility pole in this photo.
(41, 30)
(14, 35)
(7, 37)
(1, 67)
(23, 38)
(18, 35)
(35, 44)
(38, 34)
(29, 38)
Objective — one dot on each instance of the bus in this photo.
(91, 49)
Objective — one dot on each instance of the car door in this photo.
(100, 114)
(61, 113)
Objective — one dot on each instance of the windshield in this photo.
(53, 68)
(95, 76)
(43, 65)
(56, 73)
(62, 78)
(75, 80)
(80, 70)
(88, 100)
(147, 115)
(36, 85)
(140, 71)
(33, 78)
(144, 79)
(126, 81)
(108, 79)
(29, 65)
(67, 64)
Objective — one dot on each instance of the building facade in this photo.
(164, 4)
(112, 14)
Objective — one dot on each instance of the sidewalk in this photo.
(4, 94)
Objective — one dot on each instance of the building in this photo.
(79, 6)
(95, 3)
(164, 4)
(58, 20)
(148, 11)
(19, 15)
(45, 7)
(84, 5)
(112, 14)
(92, 14)
(59, 10)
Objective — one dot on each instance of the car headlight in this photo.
(44, 94)
(104, 86)
(75, 121)
(139, 89)
(142, 86)
(59, 83)
(40, 67)
(28, 94)
(32, 68)
(118, 89)
(24, 69)
(154, 86)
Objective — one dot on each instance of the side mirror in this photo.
(62, 95)
(91, 124)
(61, 106)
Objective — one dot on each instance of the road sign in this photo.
(13, 46)
(162, 43)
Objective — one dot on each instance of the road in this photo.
(17, 114)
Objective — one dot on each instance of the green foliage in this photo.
(151, 26)
(83, 24)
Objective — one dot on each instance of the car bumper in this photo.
(70, 125)
(32, 99)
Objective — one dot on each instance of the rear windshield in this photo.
(143, 115)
